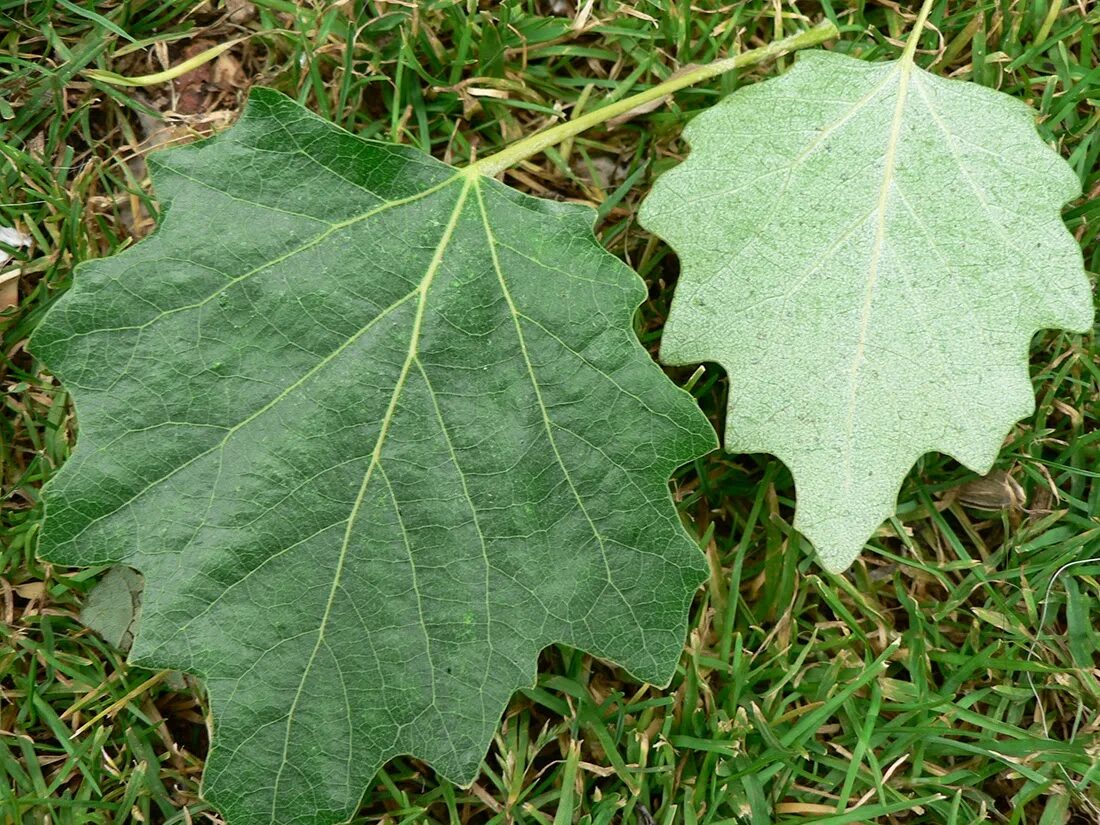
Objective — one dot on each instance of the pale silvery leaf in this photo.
(867, 249)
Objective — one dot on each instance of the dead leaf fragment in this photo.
(113, 606)
(9, 289)
(9, 281)
(30, 590)
(808, 808)
(228, 73)
(240, 11)
(191, 86)
(996, 491)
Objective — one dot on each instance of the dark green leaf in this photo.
(375, 431)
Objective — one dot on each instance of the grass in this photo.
(952, 676)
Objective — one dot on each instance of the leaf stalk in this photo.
(918, 29)
(540, 141)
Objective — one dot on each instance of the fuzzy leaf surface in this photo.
(375, 432)
(867, 249)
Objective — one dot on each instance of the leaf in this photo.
(867, 249)
(375, 431)
(113, 607)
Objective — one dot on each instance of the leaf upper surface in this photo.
(867, 249)
(375, 431)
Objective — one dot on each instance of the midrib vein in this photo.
(383, 430)
(889, 161)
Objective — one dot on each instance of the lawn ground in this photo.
(784, 709)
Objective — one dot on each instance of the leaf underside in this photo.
(867, 249)
(375, 431)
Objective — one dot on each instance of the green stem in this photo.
(918, 29)
(538, 142)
